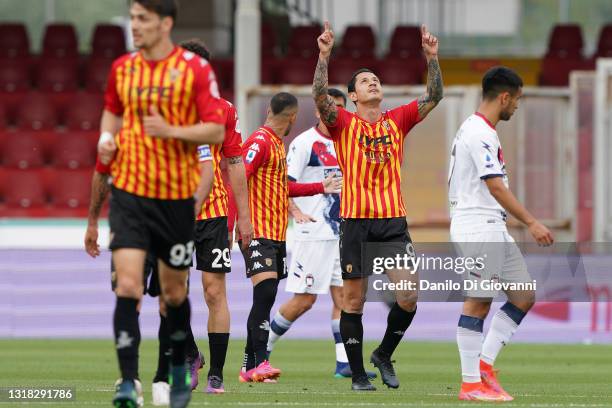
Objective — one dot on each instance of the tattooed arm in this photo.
(324, 103)
(238, 180)
(100, 188)
(434, 94)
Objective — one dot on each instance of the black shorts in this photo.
(150, 277)
(162, 227)
(212, 246)
(266, 255)
(361, 239)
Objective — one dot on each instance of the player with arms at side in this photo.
(315, 264)
(154, 180)
(370, 149)
(212, 243)
(100, 190)
(269, 190)
(479, 198)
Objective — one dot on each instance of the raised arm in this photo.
(325, 103)
(434, 94)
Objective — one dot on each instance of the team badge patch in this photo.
(268, 262)
(349, 268)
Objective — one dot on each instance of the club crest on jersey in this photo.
(349, 268)
(268, 262)
(174, 74)
(386, 125)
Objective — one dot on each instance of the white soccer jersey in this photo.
(311, 158)
(475, 156)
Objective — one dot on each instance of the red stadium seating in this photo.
(296, 71)
(70, 192)
(84, 111)
(23, 193)
(341, 70)
(58, 75)
(23, 150)
(14, 76)
(269, 42)
(269, 70)
(108, 41)
(73, 151)
(36, 112)
(401, 72)
(96, 74)
(604, 45)
(555, 71)
(224, 70)
(14, 40)
(303, 42)
(405, 42)
(358, 41)
(565, 41)
(60, 40)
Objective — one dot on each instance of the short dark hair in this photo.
(351, 84)
(336, 93)
(197, 47)
(500, 79)
(282, 101)
(163, 8)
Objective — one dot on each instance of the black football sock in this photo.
(191, 348)
(163, 355)
(351, 329)
(217, 343)
(178, 325)
(398, 321)
(264, 294)
(127, 336)
(248, 361)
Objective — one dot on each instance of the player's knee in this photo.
(214, 296)
(477, 309)
(408, 305)
(354, 304)
(306, 302)
(525, 302)
(129, 288)
(174, 295)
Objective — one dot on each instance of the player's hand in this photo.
(245, 229)
(302, 218)
(91, 241)
(106, 151)
(332, 184)
(429, 42)
(155, 125)
(230, 239)
(541, 234)
(326, 40)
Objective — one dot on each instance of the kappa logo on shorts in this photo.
(268, 262)
(257, 265)
(255, 254)
(254, 243)
(349, 268)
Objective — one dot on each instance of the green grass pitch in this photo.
(539, 376)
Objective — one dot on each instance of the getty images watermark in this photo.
(472, 269)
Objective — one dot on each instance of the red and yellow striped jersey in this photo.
(184, 90)
(370, 156)
(266, 170)
(216, 203)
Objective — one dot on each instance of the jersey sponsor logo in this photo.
(384, 140)
(255, 254)
(257, 266)
(377, 157)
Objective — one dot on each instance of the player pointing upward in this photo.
(370, 149)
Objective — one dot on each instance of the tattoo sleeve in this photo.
(234, 160)
(434, 94)
(99, 191)
(325, 104)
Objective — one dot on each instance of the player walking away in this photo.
(100, 189)
(369, 146)
(211, 235)
(315, 264)
(479, 198)
(152, 205)
(266, 170)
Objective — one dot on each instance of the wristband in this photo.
(104, 137)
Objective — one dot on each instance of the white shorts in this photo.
(315, 266)
(502, 260)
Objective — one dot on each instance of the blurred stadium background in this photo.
(54, 58)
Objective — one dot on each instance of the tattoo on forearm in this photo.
(325, 104)
(234, 160)
(435, 91)
(99, 191)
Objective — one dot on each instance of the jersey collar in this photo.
(269, 130)
(485, 119)
(316, 127)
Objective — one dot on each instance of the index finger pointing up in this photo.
(326, 26)
(423, 29)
